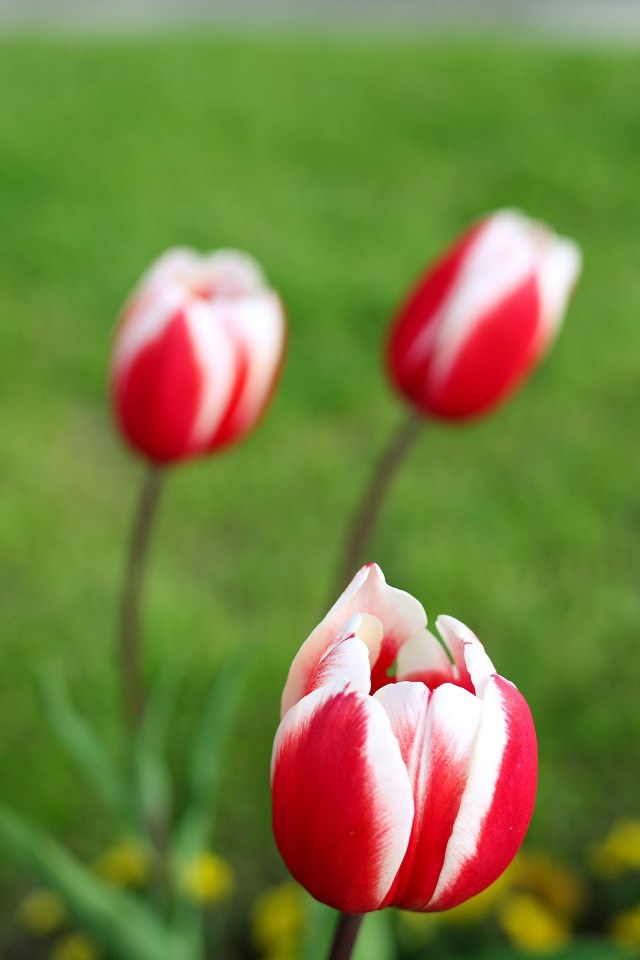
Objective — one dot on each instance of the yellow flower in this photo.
(77, 946)
(625, 929)
(277, 921)
(552, 882)
(206, 878)
(619, 852)
(42, 912)
(125, 864)
(531, 925)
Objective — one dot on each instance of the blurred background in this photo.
(344, 145)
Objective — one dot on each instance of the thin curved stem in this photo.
(345, 936)
(364, 519)
(129, 643)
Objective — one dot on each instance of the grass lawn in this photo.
(343, 166)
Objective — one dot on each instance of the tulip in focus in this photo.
(196, 354)
(412, 790)
(482, 316)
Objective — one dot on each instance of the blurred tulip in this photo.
(482, 316)
(196, 354)
(413, 790)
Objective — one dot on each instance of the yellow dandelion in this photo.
(619, 852)
(555, 884)
(77, 946)
(530, 925)
(625, 929)
(125, 864)
(42, 913)
(277, 921)
(206, 878)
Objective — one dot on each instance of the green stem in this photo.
(129, 643)
(345, 937)
(367, 510)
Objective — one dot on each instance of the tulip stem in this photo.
(346, 934)
(367, 510)
(133, 687)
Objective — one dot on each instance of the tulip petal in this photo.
(469, 654)
(436, 731)
(500, 262)
(412, 336)
(557, 276)
(220, 364)
(257, 324)
(349, 657)
(423, 658)
(164, 368)
(498, 800)
(400, 613)
(342, 803)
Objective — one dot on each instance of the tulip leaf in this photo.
(203, 769)
(152, 774)
(117, 920)
(83, 747)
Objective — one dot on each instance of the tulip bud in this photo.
(413, 790)
(196, 355)
(482, 316)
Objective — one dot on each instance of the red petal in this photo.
(493, 360)
(498, 801)
(406, 370)
(342, 804)
(158, 393)
(436, 732)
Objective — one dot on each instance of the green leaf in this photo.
(203, 768)
(117, 920)
(151, 770)
(84, 748)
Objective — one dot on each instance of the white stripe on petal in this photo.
(557, 276)
(476, 800)
(216, 354)
(501, 257)
(259, 323)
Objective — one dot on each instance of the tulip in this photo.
(411, 788)
(482, 316)
(196, 354)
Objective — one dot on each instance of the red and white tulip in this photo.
(196, 355)
(482, 316)
(413, 790)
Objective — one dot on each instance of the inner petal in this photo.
(423, 658)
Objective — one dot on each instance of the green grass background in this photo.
(344, 166)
